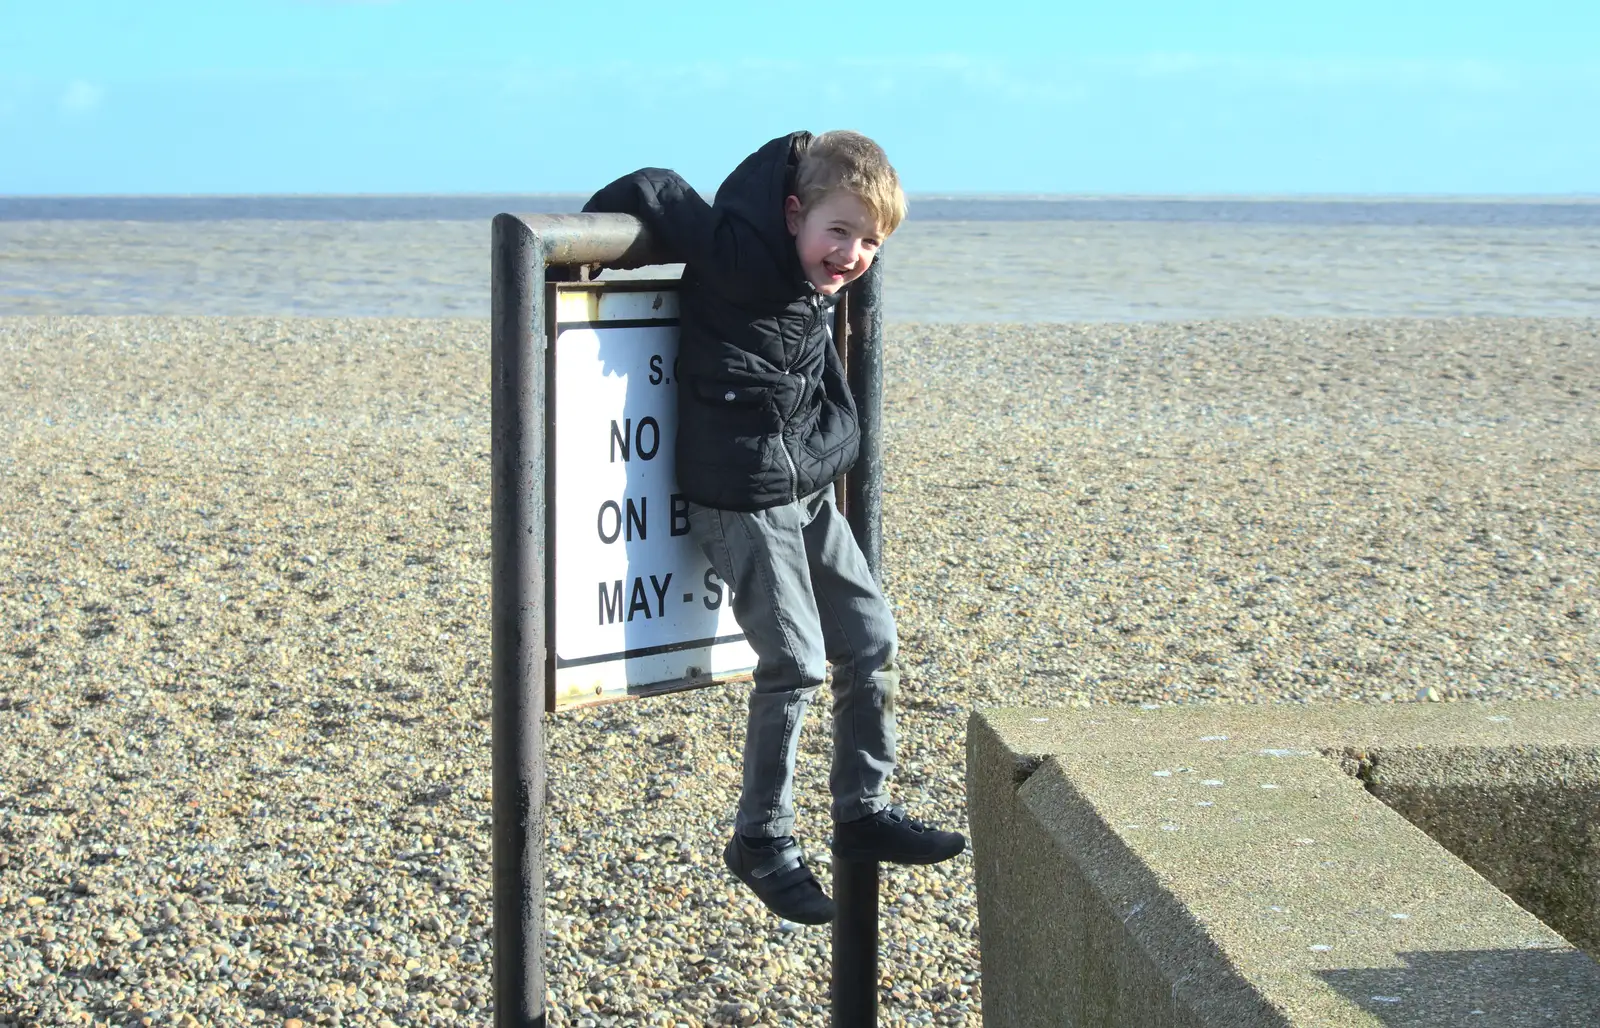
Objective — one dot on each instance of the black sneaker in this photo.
(889, 835)
(778, 875)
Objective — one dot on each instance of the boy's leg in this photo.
(762, 555)
(860, 639)
(858, 628)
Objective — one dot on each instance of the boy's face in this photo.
(836, 239)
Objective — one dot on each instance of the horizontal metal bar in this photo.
(615, 240)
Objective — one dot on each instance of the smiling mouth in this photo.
(835, 270)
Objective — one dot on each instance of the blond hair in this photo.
(845, 161)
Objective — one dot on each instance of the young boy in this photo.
(766, 424)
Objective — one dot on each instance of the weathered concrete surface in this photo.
(1522, 816)
(1224, 866)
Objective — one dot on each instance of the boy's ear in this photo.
(791, 213)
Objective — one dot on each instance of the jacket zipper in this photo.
(783, 441)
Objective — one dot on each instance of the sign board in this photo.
(637, 608)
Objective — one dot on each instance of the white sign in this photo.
(638, 608)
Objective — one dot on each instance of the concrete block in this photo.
(1235, 866)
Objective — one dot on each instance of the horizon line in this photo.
(1583, 197)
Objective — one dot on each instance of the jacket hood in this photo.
(754, 193)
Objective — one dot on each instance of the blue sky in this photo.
(1318, 96)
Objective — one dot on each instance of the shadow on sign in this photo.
(638, 607)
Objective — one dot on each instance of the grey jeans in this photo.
(804, 598)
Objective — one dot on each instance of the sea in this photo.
(956, 259)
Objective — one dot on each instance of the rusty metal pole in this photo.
(520, 515)
(517, 612)
(855, 884)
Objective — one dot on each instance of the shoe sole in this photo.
(916, 860)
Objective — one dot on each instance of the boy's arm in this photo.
(683, 224)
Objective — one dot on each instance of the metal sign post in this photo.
(521, 249)
(517, 522)
(525, 664)
(855, 884)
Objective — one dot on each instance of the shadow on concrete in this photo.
(1478, 989)
(1524, 817)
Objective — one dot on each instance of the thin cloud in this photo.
(81, 97)
(1340, 72)
(1069, 80)
(844, 79)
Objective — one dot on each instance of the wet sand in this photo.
(936, 271)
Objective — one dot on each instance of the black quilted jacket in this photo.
(764, 413)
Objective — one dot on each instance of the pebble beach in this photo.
(244, 638)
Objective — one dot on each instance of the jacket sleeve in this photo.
(678, 217)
